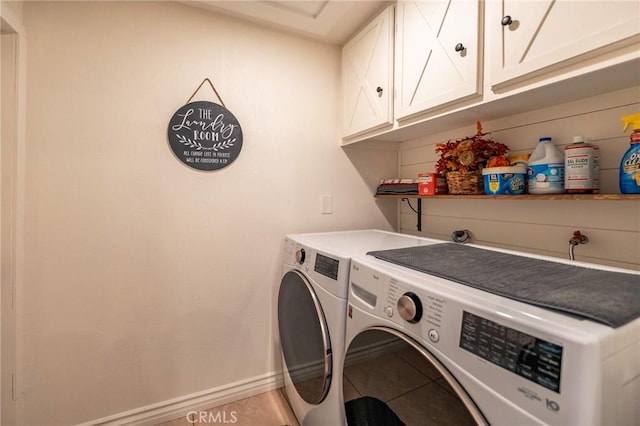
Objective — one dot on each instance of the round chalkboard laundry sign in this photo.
(205, 135)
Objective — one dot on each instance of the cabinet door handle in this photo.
(506, 21)
(379, 90)
(459, 47)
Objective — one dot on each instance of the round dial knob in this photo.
(410, 307)
(300, 255)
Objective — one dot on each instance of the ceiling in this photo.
(330, 21)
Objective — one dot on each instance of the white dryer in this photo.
(504, 361)
(312, 304)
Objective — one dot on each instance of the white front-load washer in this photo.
(496, 360)
(312, 306)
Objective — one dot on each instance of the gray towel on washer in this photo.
(611, 298)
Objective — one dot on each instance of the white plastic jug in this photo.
(546, 169)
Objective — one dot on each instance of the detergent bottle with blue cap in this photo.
(546, 168)
(630, 164)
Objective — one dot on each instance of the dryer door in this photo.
(304, 337)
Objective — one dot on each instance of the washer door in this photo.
(389, 375)
(304, 337)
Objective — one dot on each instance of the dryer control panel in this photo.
(324, 269)
(326, 266)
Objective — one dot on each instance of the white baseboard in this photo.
(154, 414)
(179, 407)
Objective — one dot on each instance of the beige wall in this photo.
(8, 215)
(12, 112)
(13, 8)
(543, 227)
(146, 280)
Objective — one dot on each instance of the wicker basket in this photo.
(465, 183)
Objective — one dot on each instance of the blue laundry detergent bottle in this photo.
(630, 164)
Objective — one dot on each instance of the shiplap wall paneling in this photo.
(498, 223)
(543, 227)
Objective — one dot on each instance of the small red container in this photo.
(431, 184)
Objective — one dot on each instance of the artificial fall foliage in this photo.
(469, 154)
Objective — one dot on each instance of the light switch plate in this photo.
(327, 204)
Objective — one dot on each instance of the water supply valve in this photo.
(578, 238)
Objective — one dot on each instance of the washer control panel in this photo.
(416, 308)
(535, 359)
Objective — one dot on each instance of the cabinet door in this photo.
(538, 36)
(438, 54)
(367, 77)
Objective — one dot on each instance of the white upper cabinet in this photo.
(456, 59)
(438, 54)
(534, 37)
(367, 77)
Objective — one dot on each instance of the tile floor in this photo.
(410, 386)
(407, 383)
(266, 409)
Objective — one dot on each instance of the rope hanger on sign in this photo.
(206, 80)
